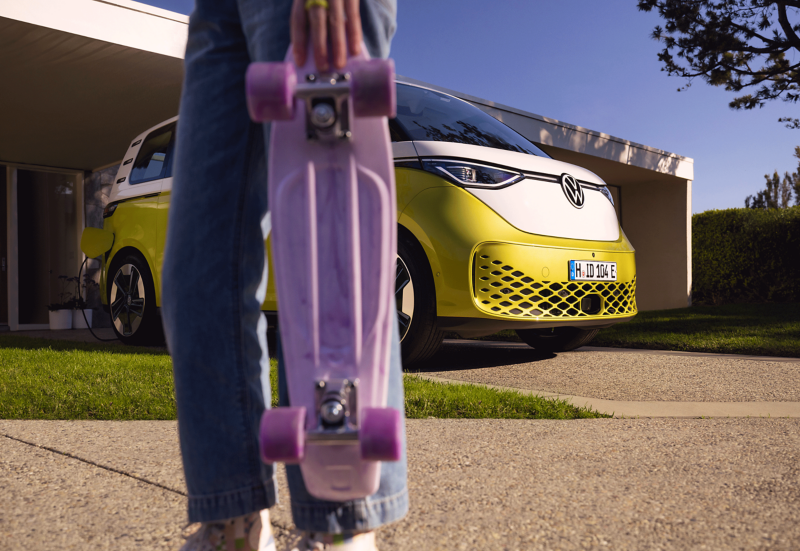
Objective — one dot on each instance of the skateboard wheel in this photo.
(282, 435)
(373, 89)
(270, 91)
(380, 434)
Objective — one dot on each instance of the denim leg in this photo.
(388, 504)
(214, 274)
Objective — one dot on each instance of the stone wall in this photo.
(96, 189)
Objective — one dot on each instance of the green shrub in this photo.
(746, 255)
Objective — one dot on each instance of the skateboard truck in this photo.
(326, 98)
(337, 407)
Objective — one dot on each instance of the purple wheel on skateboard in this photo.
(373, 89)
(380, 434)
(270, 91)
(282, 435)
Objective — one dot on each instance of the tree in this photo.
(778, 193)
(739, 44)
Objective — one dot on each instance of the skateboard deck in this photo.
(333, 205)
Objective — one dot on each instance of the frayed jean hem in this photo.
(362, 514)
(233, 504)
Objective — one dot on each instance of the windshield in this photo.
(426, 115)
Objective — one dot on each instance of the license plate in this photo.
(589, 270)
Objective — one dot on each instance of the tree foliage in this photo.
(778, 192)
(749, 46)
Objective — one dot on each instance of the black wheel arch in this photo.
(412, 239)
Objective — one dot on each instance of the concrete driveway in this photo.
(630, 383)
(647, 483)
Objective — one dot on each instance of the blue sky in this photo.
(592, 64)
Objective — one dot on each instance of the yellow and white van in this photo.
(492, 234)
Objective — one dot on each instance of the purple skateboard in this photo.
(332, 198)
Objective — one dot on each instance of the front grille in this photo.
(501, 289)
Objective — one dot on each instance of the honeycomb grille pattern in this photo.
(503, 290)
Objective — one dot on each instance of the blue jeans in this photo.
(214, 276)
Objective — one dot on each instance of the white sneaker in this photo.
(317, 541)
(251, 532)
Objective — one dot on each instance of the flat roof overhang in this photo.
(81, 78)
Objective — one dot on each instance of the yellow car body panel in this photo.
(135, 224)
(162, 215)
(271, 302)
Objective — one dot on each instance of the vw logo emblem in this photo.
(573, 190)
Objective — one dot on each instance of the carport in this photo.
(81, 77)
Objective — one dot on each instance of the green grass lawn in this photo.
(47, 379)
(757, 329)
(453, 401)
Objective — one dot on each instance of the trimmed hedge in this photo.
(746, 255)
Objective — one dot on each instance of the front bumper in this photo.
(491, 276)
(532, 283)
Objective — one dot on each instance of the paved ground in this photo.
(660, 483)
(614, 375)
(478, 484)
(629, 383)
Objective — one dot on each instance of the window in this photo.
(152, 161)
(395, 132)
(425, 115)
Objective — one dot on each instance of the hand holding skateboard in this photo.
(339, 19)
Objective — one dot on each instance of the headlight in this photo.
(109, 210)
(471, 174)
(604, 191)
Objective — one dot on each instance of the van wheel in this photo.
(557, 339)
(132, 302)
(415, 296)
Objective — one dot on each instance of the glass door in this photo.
(3, 248)
(48, 220)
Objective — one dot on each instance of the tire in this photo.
(415, 295)
(132, 301)
(557, 339)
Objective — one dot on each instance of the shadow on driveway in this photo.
(462, 354)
